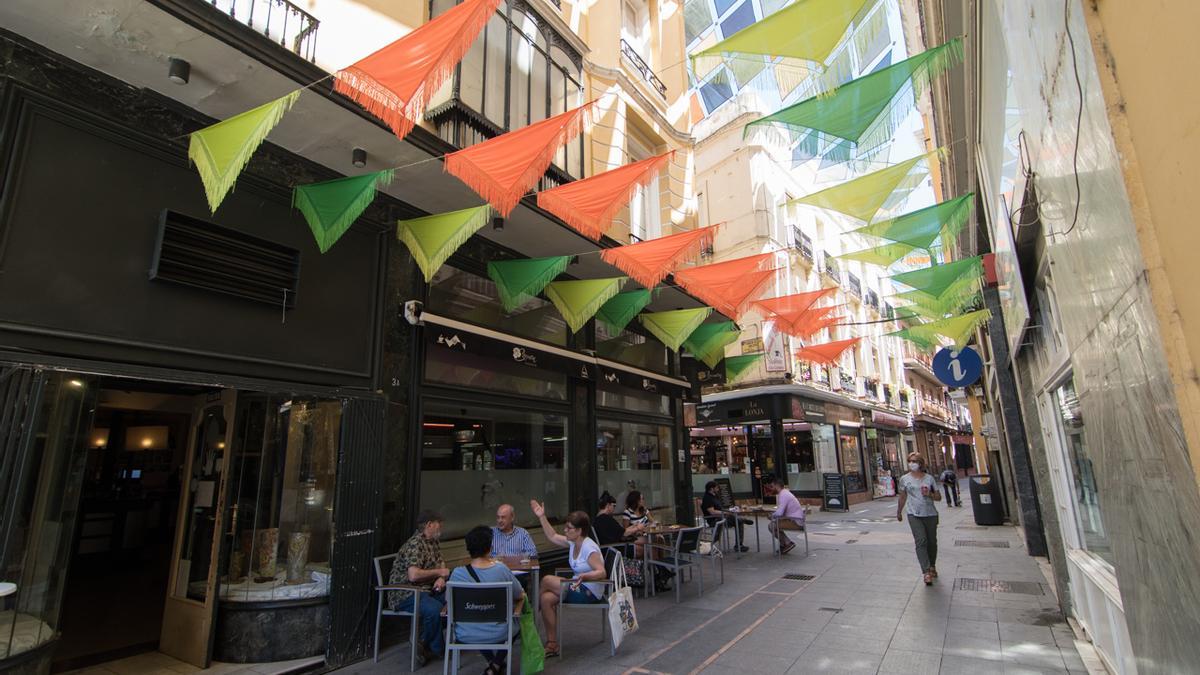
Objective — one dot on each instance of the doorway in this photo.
(116, 586)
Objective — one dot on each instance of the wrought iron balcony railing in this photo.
(872, 299)
(854, 284)
(279, 20)
(642, 67)
(802, 243)
(831, 268)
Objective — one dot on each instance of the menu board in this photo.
(725, 492)
(834, 490)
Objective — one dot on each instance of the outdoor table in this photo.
(7, 589)
(666, 532)
(520, 566)
(757, 511)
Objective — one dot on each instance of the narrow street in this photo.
(865, 610)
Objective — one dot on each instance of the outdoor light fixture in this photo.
(358, 157)
(178, 70)
(498, 223)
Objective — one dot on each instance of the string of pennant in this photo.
(857, 117)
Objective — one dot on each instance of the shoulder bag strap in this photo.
(471, 571)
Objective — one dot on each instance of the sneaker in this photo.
(743, 549)
(788, 548)
(422, 654)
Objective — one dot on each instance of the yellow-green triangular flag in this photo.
(862, 197)
(221, 151)
(673, 327)
(433, 239)
(579, 300)
(958, 329)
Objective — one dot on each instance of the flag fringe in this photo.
(504, 199)
(553, 201)
(650, 276)
(577, 318)
(511, 299)
(619, 322)
(326, 237)
(217, 184)
(671, 341)
(431, 261)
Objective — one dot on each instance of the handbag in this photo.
(622, 617)
(533, 655)
(705, 546)
(635, 575)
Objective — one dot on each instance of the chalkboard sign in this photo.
(724, 492)
(834, 485)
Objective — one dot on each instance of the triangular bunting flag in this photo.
(957, 329)
(504, 168)
(673, 327)
(736, 366)
(921, 228)
(433, 239)
(332, 206)
(579, 300)
(622, 308)
(807, 30)
(826, 353)
(394, 83)
(589, 205)
(864, 113)
(221, 151)
(785, 311)
(519, 281)
(815, 320)
(862, 197)
(727, 286)
(884, 255)
(707, 343)
(649, 262)
(943, 289)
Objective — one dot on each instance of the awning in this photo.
(889, 420)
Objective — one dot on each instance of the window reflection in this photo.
(1086, 490)
(633, 456)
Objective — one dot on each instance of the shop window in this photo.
(631, 348)
(633, 456)
(474, 299)
(44, 489)
(451, 366)
(810, 450)
(281, 487)
(633, 400)
(720, 452)
(852, 466)
(1088, 514)
(475, 458)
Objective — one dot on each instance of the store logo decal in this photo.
(584, 374)
(452, 341)
(648, 385)
(520, 355)
(610, 377)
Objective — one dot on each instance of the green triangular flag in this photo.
(673, 327)
(579, 300)
(622, 308)
(808, 30)
(736, 366)
(332, 206)
(864, 113)
(921, 228)
(883, 255)
(433, 239)
(519, 281)
(958, 329)
(942, 289)
(221, 151)
(862, 197)
(707, 343)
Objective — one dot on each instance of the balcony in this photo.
(803, 245)
(889, 312)
(872, 300)
(832, 271)
(854, 285)
(278, 20)
(642, 67)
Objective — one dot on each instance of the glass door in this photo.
(762, 454)
(191, 604)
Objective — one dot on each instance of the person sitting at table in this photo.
(608, 530)
(508, 540)
(711, 506)
(788, 513)
(419, 563)
(636, 512)
(587, 565)
(482, 569)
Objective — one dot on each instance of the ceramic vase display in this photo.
(297, 557)
(266, 552)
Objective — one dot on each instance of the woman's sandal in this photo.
(933, 571)
(928, 579)
(551, 650)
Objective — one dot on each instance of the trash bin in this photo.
(985, 500)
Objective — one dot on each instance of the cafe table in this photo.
(756, 511)
(520, 566)
(664, 531)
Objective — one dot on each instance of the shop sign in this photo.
(835, 412)
(803, 409)
(635, 381)
(776, 349)
(689, 414)
(707, 412)
(834, 492)
(753, 346)
(889, 420)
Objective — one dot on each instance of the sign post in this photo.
(834, 491)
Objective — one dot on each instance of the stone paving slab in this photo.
(865, 611)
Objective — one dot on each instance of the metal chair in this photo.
(790, 525)
(478, 603)
(382, 609)
(716, 551)
(684, 555)
(612, 561)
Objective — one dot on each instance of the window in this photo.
(810, 450)
(635, 27)
(475, 458)
(634, 456)
(631, 348)
(738, 19)
(1088, 515)
(645, 213)
(474, 299)
(852, 461)
(697, 17)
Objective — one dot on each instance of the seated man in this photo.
(711, 506)
(419, 563)
(482, 569)
(789, 514)
(508, 539)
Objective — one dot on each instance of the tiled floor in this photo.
(866, 611)
(157, 663)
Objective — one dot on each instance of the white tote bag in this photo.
(622, 617)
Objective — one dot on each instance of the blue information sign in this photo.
(957, 368)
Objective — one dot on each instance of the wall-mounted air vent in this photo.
(200, 254)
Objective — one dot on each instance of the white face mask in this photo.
(913, 466)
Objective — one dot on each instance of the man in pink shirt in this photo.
(789, 514)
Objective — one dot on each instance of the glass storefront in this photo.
(633, 456)
(851, 455)
(448, 365)
(474, 299)
(810, 449)
(475, 458)
(1089, 517)
(720, 452)
(632, 348)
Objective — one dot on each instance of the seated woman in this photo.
(637, 515)
(608, 530)
(481, 570)
(587, 565)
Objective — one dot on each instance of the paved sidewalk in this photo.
(865, 610)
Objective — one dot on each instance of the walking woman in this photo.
(918, 492)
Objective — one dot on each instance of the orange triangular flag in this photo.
(786, 311)
(589, 205)
(826, 353)
(727, 286)
(649, 262)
